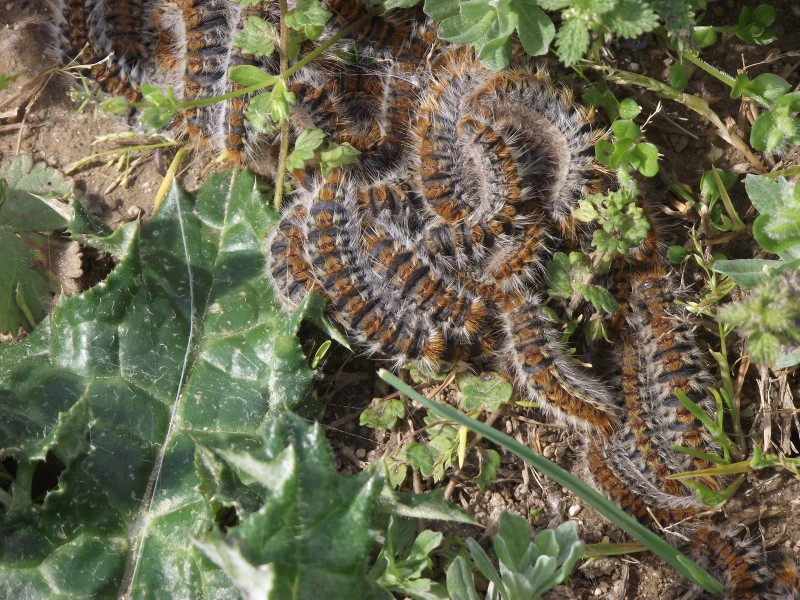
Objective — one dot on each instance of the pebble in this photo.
(549, 451)
(574, 510)
(634, 66)
(714, 154)
(361, 453)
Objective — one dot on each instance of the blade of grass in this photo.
(679, 561)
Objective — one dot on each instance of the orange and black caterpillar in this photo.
(432, 247)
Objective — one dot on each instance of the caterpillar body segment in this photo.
(546, 375)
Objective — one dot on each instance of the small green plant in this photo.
(769, 318)
(404, 562)
(567, 277)
(527, 568)
(626, 152)
(754, 27)
(444, 446)
(622, 224)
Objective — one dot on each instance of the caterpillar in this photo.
(432, 247)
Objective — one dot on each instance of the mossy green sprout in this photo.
(768, 319)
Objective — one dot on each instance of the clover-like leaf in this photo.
(489, 389)
(256, 37)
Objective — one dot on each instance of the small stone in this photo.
(634, 67)
(574, 510)
(361, 454)
(549, 451)
(714, 154)
(598, 592)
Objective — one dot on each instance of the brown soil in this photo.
(55, 131)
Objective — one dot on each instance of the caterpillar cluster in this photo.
(432, 247)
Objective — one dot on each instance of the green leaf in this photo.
(600, 298)
(115, 106)
(678, 77)
(389, 4)
(490, 462)
(421, 458)
(559, 282)
(30, 200)
(630, 18)
(488, 389)
(754, 25)
(512, 541)
(787, 359)
(428, 505)
(746, 272)
(28, 204)
(676, 254)
(323, 541)
(183, 343)
(462, 28)
(256, 37)
(766, 89)
(305, 147)
(766, 194)
(307, 13)
(535, 29)
(704, 36)
(572, 41)
(709, 190)
(460, 582)
(269, 109)
(382, 414)
(248, 75)
(779, 128)
(677, 14)
(161, 108)
(439, 10)
(644, 157)
(337, 155)
(629, 109)
(625, 129)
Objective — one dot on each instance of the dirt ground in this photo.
(53, 129)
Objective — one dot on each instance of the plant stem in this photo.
(284, 151)
(713, 71)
